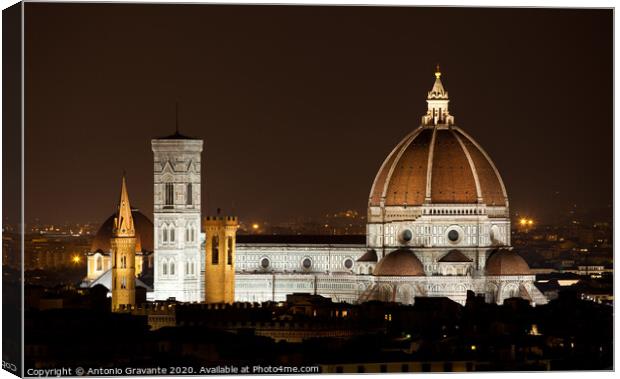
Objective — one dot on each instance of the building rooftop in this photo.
(302, 239)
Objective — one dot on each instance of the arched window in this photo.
(189, 194)
(99, 263)
(229, 250)
(164, 269)
(193, 234)
(187, 234)
(215, 250)
(172, 234)
(171, 268)
(165, 234)
(123, 282)
(169, 194)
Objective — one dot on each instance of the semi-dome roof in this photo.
(437, 163)
(454, 256)
(142, 225)
(506, 262)
(369, 256)
(401, 262)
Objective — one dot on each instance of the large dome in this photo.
(401, 262)
(506, 262)
(437, 163)
(144, 233)
(444, 163)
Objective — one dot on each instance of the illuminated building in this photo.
(98, 259)
(438, 225)
(123, 255)
(220, 234)
(177, 218)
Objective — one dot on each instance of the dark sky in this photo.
(298, 106)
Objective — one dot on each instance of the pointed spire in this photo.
(438, 91)
(123, 223)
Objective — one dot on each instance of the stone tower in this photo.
(220, 259)
(177, 217)
(123, 246)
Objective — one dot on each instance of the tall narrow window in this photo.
(123, 283)
(99, 263)
(189, 194)
(169, 194)
(193, 235)
(215, 250)
(192, 267)
(164, 269)
(165, 234)
(171, 268)
(187, 234)
(229, 249)
(171, 234)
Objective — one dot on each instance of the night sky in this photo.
(298, 106)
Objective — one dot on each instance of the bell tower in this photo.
(123, 246)
(220, 259)
(176, 211)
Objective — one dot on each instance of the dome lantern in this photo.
(437, 100)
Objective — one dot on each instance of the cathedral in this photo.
(438, 226)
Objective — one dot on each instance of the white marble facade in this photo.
(177, 225)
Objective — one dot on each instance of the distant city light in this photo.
(255, 226)
(473, 347)
(76, 259)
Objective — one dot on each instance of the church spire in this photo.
(123, 223)
(437, 100)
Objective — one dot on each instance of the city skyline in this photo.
(279, 189)
(311, 118)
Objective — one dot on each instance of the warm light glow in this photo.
(255, 226)
(473, 347)
(534, 330)
(76, 259)
(523, 221)
(530, 222)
